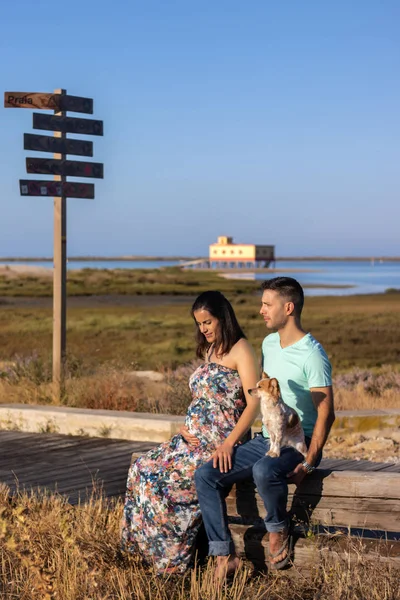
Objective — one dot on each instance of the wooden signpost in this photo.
(61, 189)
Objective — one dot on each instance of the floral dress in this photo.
(161, 513)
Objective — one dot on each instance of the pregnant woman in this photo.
(161, 513)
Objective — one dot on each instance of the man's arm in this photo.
(323, 402)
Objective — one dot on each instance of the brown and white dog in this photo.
(281, 421)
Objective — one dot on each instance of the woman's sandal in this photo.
(288, 546)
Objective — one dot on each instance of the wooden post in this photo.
(59, 277)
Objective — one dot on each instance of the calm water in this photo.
(366, 277)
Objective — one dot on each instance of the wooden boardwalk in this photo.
(70, 464)
(65, 463)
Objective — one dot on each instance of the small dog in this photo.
(281, 421)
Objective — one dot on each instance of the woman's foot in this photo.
(226, 567)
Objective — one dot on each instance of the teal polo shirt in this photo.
(297, 368)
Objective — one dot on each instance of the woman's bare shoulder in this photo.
(242, 347)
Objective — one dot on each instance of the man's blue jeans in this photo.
(270, 477)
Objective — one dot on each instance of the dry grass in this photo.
(115, 388)
(110, 388)
(359, 399)
(51, 550)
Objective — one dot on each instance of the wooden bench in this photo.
(337, 515)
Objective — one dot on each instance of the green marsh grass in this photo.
(107, 341)
(356, 331)
(171, 281)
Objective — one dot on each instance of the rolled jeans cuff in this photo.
(277, 527)
(221, 548)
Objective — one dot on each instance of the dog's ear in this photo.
(274, 387)
(264, 375)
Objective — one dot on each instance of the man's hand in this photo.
(192, 440)
(222, 457)
(297, 475)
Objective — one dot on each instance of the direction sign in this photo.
(72, 168)
(30, 187)
(47, 143)
(43, 101)
(67, 124)
(75, 104)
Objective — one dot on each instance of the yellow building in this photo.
(227, 254)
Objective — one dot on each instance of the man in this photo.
(303, 371)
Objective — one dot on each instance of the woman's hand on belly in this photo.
(191, 440)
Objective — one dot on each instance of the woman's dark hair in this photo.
(229, 329)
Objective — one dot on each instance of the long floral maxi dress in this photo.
(161, 513)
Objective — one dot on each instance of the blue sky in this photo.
(273, 122)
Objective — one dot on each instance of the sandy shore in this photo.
(14, 271)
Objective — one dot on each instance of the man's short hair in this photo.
(288, 288)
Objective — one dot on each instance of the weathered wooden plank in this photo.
(352, 484)
(341, 498)
(343, 484)
(356, 465)
(383, 467)
(12, 439)
(67, 124)
(41, 100)
(358, 514)
(331, 463)
(48, 101)
(348, 465)
(84, 471)
(69, 189)
(30, 451)
(18, 436)
(253, 544)
(66, 466)
(39, 445)
(368, 513)
(392, 468)
(61, 467)
(47, 143)
(75, 104)
(368, 466)
(67, 168)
